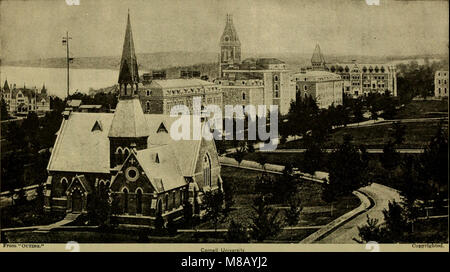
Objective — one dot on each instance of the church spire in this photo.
(317, 60)
(128, 73)
(6, 86)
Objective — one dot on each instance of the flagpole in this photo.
(68, 61)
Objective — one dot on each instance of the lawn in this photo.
(431, 231)
(315, 212)
(423, 109)
(417, 135)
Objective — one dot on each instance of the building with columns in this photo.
(129, 159)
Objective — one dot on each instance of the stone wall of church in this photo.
(207, 148)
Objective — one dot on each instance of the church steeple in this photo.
(230, 46)
(129, 129)
(128, 73)
(317, 60)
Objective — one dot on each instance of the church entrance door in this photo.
(77, 202)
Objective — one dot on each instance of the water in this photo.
(55, 79)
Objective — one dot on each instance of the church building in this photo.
(129, 158)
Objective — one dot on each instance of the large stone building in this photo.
(129, 158)
(360, 79)
(21, 101)
(253, 81)
(441, 83)
(363, 79)
(159, 96)
(325, 87)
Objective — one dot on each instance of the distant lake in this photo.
(55, 78)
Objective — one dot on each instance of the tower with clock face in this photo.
(230, 46)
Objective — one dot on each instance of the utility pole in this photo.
(65, 41)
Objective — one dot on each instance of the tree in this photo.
(171, 227)
(228, 191)
(283, 186)
(390, 157)
(237, 233)
(39, 200)
(187, 214)
(261, 158)
(434, 161)
(265, 222)
(241, 151)
(4, 111)
(99, 209)
(371, 232)
(292, 215)
(313, 157)
(159, 224)
(398, 133)
(302, 116)
(213, 203)
(394, 230)
(346, 169)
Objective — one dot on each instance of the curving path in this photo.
(381, 196)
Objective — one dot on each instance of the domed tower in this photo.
(230, 46)
(129, 130)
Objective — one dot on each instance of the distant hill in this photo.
(146, 61)
(164, 60)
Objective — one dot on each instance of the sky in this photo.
(34, 29)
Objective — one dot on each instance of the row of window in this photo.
(364, 69)
(172, 200)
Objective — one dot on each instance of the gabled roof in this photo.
(79, 149)
(129, 120)
(128, 72)
(317, 56)
(83, 182)
(165, 174)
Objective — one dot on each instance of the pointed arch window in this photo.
(207, 170)
(139, 201)
(166, 202)
(125, 200)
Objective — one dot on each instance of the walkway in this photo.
(345, 233)
(70, 217)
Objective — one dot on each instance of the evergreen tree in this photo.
(228, 191)
(237, 233)
(292, 215)
(390, 157)
(4, 111)
(398, 133)
(265, 222)
(213, 203)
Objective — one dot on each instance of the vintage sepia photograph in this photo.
(273, 123)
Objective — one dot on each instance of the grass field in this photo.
(417, 135)
(423, 109)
